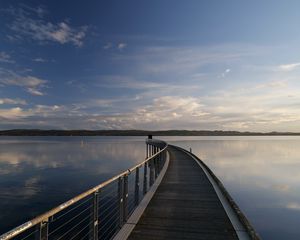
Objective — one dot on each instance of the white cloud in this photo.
(228, 70)
(182, 60)
(167, 107)
(147, 89)
(39, 10)
(63, 33)
(25, 25)
(12, 101)
(28, 81)
(165, 101)
(47, 110)
(164, 112)
(41, 60)
(273, 84)
(13, 113)
(293, 206)
(261, 111)
(161, 113)
(35, 92)
(122, 46)
(289, 67)
(266, 108)
(32, 84)
(120, 81)
(282, 187)
(4, 57)
(40, 111)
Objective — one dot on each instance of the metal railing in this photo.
(100, 212)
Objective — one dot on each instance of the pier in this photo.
(185, 206)
(172, 194)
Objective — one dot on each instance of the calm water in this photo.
(38, 173)
(261, 173)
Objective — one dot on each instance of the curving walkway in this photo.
(185, 206)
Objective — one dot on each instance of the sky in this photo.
(153, 65)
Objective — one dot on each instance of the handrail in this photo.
(43, 217)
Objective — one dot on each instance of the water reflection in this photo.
(261, 173)
(37, 173)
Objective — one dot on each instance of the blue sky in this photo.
(229, 65)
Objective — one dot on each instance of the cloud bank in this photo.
(32, 84)
(31, 23)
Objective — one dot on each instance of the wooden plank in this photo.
(185, 206)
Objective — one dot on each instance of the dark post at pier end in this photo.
(150, 136)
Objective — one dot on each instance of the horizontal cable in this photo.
(60, 216)
(80, 232)
(103, 233)
(109, 208)
(69, 220)
(103, 205)
(109, 188)
(101, 228)
(74, 226)
(108, 203)
(113, 229)
(110, 216)
(30, 234)
(108, 194)
(87, 233)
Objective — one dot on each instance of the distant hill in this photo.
(38, 132)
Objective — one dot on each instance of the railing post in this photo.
(151, 167)
(162, 160)
(151, 172)
(156, 163)
(155, 168)
(95, 214)
(125, 198)
(42, 233)
(152, 149)
(145, 178)
(137, 186)
(159, 162)
(121, 202)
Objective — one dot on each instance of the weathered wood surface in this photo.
(185, 206)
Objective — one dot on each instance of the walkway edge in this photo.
(240, 223)
(136, 215)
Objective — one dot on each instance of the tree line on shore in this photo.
(39, 132)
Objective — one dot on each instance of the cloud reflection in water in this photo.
(261, 173)
(38, 173)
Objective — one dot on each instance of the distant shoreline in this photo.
(38, 132)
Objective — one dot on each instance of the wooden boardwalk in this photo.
(185, 206)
